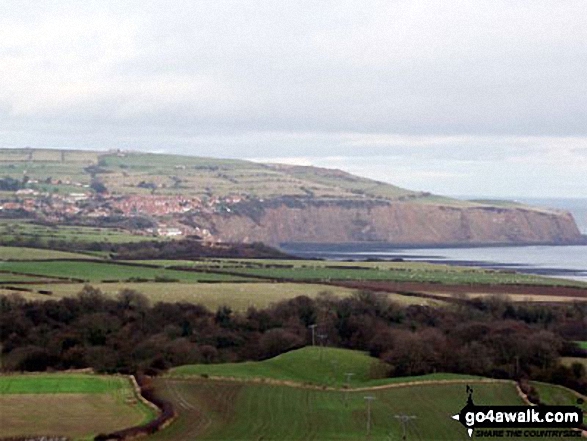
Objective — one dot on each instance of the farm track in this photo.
(296, 384)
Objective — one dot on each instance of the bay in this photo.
(566, 261)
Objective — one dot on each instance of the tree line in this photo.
(491, 337)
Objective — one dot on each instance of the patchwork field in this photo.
(369, 271)
(443, 275)
(74, 405)
(215, 282)
(99, 272)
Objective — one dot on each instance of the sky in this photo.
(485, 98)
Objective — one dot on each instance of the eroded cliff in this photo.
(397, 223)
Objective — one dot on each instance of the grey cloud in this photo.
(414, 82)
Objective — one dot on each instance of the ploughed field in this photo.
(77, 406)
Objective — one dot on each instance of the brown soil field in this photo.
(73, 415)
(563, 293)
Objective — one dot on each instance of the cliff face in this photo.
(398, 223)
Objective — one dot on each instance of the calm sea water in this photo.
(556, 261)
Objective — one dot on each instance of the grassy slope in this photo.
(196, 175)
(309, 365)
(231, 411)
(253, 410)
(557, 395)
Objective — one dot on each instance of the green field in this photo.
(443, 276)
(311, 365)
(10, 230)
(217, 410)
(239, 296)
(59, 383)
(97, 272)
(10, 278)
(582, 344)
(558, 395)
(302, 395)
(77, 406)
(24, 253)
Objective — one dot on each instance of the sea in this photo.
(564, 261)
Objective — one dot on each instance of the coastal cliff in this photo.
(397, 223)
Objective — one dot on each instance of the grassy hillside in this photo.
(259, 407)
(307, 365)
(196, 176)
(557, 395)
(310, 365)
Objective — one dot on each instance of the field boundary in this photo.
(166, 414)
(300, 385)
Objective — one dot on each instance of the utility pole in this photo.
(369, 399)
(322, 338)
(313, 328)
(334, 364)
(348, 386)
(404, 419)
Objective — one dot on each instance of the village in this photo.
(163, 210)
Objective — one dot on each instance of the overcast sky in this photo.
(455, 97)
